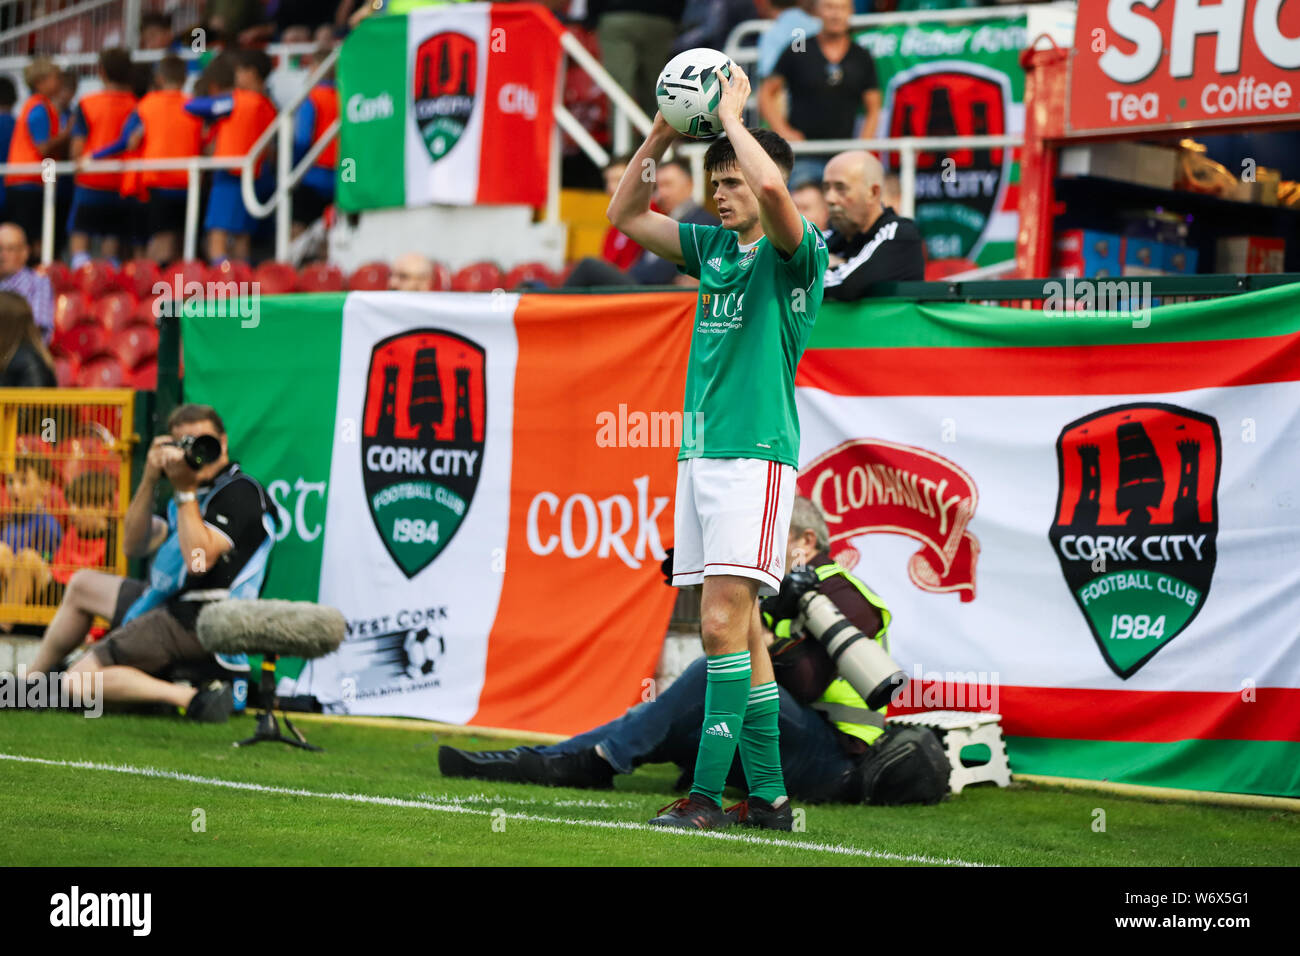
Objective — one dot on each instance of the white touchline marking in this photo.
(834, 848)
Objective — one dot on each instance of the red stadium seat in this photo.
(96, 278)
(59, 275)
(69, 310)
(139, 277)
(320, 277)
(114, 311)
(65, 367)
(479, 277)
(231, 270)
(147, 310)
(372, 277)
(82, 340)
(135, 345)
(530, 272)
(144, 377)
(275, 278)
(101, 371)
(188, 270)
(441, 278)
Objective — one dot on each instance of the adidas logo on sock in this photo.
(720, 730)
(716, 265)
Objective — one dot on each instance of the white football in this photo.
(689, 92)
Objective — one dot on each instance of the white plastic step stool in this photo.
(959, 729)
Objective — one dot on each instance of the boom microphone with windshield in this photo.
(271, 628)
(291, 628)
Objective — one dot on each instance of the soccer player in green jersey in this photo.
(760, 278)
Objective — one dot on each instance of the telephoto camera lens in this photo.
(200, 450)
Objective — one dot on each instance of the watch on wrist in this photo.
(184, 496)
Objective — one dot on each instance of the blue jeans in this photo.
(667, 730)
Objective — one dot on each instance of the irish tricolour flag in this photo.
(451, 104)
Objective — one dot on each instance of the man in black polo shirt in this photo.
(868, 242)
(827, 80)
(215, 540)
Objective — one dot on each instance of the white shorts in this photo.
(732, 517)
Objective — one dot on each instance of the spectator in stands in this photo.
(65, 188)
(30, 535)
(810, 202)
(617, 249)
(69, 81)
(8, 97)
(37, 135)
(98, 209)
(231, 17)
(241, 111)
(826, 82)
(17, 278)
(708, 23)
(793, 25)
(160, 128)
(297, 21)
(411, 272)
(88, 540)
(674, 196)
(215, 542)
(155, 31)
(315, 192)
(870, 243)
(24, 360)
(891, 193)
(636, 40)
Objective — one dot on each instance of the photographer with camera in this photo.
(823, 626)
(213, 545)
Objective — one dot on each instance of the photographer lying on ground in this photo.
(833, 748)
(213, 544)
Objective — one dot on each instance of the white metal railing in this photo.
(43, 20)
(50, 170)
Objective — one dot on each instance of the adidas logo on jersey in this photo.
(720, 730)
(716, 263)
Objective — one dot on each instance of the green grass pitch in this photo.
(137, 790)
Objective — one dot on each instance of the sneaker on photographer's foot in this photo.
(584, 770)
(213, 704)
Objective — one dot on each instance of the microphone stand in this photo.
(267, 727)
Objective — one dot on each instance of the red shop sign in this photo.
(1162, 64)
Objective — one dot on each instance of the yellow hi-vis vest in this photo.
(842, 704)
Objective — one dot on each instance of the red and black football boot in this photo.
(695, 811)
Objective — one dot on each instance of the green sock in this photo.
(724, 716)
(760, 743)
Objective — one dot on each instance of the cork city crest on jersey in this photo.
(422, 440)
(1136, 524)
(445, 78)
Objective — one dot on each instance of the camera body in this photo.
(200, 450)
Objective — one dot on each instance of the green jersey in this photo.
(754, 314)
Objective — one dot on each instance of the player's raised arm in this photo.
(629, 208)
(781, 221)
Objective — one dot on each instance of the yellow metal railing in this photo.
(65, 459)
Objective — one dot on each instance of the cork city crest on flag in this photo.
(1136, 524)
(422, 440)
